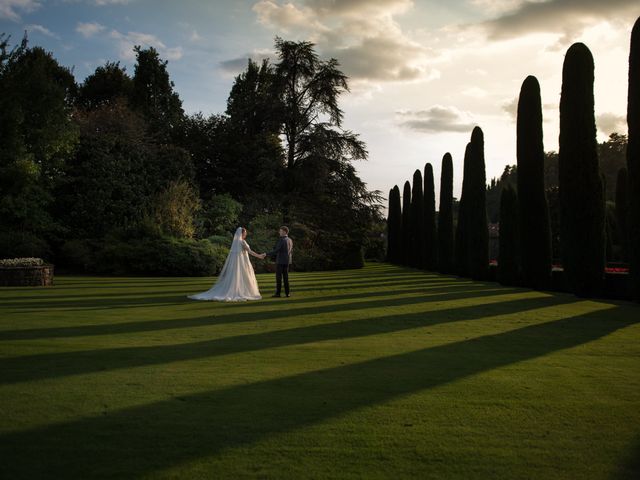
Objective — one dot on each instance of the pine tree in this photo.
(394, 225)
(417, 222)
(633, 158)
(509, 238)
(405, 248)
(477, 229)
(445, 216)
(430, 239)
(581, 190)
(533, 214)
(622, 212)
(460, 253)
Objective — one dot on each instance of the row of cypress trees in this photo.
(413, 238)
(525, 234)
(525, 252)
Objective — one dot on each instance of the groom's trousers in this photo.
(282, 273)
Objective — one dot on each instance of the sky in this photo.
(421, 73)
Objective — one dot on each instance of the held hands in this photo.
(262, 256)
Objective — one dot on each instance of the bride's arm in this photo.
(251, 252)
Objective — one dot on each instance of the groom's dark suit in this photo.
(282, 255)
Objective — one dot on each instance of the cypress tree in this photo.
(429, 222)
(581, 191)
(460, 252)
(394, 225)
(633, 158)
(509, 238)
(405, 247)
(622, 213)
(533, 212)
(417, 222)
(477, 229)
(445, 216)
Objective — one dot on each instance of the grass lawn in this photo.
(376, 373)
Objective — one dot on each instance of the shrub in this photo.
(161, 256)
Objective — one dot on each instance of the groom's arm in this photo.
(277, 248)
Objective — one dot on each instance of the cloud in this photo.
(131, 39)
(89, 29)
(436, 119)
(236, 65)
(609, 123)
(43, 30)
(9, 8)
(362, 34)
(566, 17)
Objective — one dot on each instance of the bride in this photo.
(237, 280)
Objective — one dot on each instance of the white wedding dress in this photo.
(237, 280)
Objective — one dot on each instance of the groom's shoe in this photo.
(276, 295)
(287, 295)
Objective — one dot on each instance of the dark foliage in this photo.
(405, 254)
(430, 245)
(445, 216)
(633, 157)
(108, 84)
(533, 213)
(394, 225)
(622, 214)
(476, 210)
(417, 222)
(581, 190)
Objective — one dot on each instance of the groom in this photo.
(282, 255)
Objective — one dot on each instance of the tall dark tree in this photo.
(622, 213)
(461, 255)
(476, 213)
(581, 190)
(394, 225)
(430, 248)
(533, 215)
(153, 92)
(254, 160)
(405, 254)
(633, 157)
(445, 216)
(509, 238)
(417, 222)
(36, 137)
(311, 118)
(108, 84)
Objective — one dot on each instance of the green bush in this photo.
(161, 256)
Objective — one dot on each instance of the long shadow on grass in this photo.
(235, 313)
(54, 365)
(64, 300)
(140, 440)
(34, 303)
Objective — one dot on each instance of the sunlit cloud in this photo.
(436, 119)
